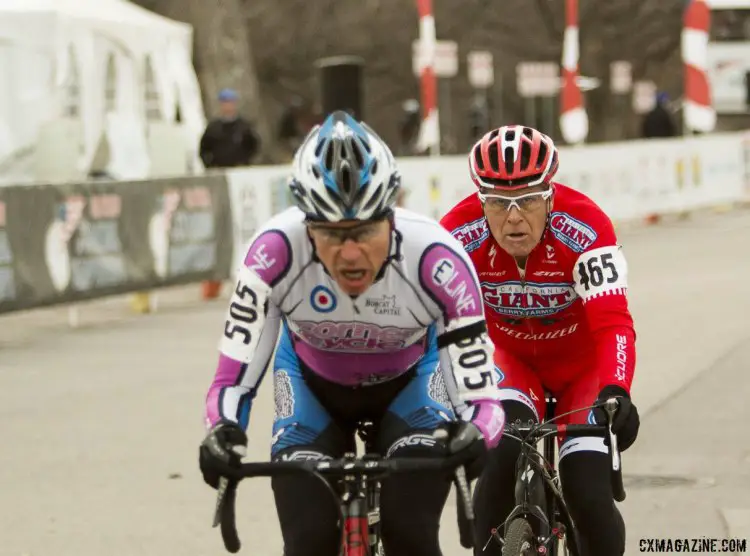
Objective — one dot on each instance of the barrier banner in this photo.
(256, 194)
(7, 266)
(74, 242)
(746, 167)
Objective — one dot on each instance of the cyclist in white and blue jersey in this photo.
(381, 319)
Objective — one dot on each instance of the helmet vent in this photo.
(319, 147)
(320, 201)
(494, 157)
(478, 158)
(357, 153)
(509, 161)
(525, 155)
(543, 150)
(329, 158)
(374, 198)
(346, 180)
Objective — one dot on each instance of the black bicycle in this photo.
(540, 521)
(358, 492)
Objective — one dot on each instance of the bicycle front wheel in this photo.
(519, 540)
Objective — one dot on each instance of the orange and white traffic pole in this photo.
(574, 122)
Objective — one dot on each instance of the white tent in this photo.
(105, 63)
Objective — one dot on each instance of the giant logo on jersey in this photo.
(472, 235)
(356, 336)
(573, 233)
(530, 300)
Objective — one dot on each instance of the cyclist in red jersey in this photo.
(554, 282)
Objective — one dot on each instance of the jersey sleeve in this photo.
(250, 331)
(467, 226)
(600, 279)
(466, 354)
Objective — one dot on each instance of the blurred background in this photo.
(126, 90)
(142, 144)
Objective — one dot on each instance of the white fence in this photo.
(629, 180)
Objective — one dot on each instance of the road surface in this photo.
(100, 424)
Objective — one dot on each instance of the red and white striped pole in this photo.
(574, 122)
(698, 112)
(429, 132)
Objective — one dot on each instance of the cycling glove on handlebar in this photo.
(626, 422)
(224, 445)
(466, 439)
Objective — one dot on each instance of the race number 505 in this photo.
(240, 315)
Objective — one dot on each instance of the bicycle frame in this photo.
(539, 498)
(359, 501)
(554, 494)
(538, 493)
(356, 538)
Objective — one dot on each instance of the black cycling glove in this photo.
(224, 445)
(626, 421)
(465, 439)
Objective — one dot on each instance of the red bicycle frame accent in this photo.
(356, 536)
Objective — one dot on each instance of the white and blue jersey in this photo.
(424, 311)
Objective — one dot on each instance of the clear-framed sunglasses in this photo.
(524, 203)
(361, 233)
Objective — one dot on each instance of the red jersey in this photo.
(569, 305)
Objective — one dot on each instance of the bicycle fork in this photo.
(533, 504)
(557, 529)
(531, 501)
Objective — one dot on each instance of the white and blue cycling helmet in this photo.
(344, 171)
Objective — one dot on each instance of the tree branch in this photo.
(554, 31)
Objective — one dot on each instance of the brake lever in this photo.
(618, 489)
(221, 491)
(610, 407)
(220, 500)
(462, 484)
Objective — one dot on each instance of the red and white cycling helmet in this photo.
(513, 157)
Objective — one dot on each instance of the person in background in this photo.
(659, 122)
(229, 141)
